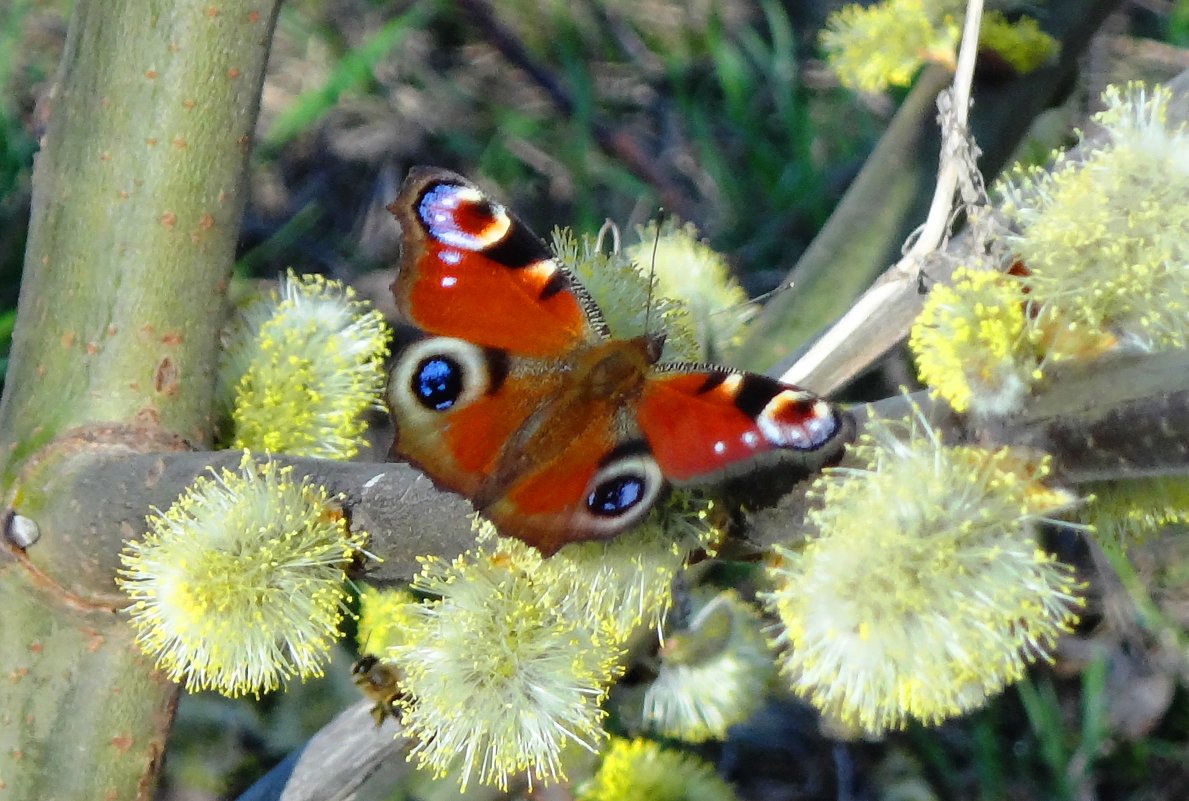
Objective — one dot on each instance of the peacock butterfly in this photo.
(508, 388)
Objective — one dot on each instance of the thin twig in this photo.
(900, 279)
(936, 226)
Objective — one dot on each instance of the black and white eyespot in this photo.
(623, 490)
(437, 375)
(792, 420)
(462, 217)
(786, 416)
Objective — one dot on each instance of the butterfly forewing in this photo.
(470, 269)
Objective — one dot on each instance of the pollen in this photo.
(642, 769)
(871, 48)
(1124, 512)
(971, 343)
(496, 680)
(1102, 236)
(621, 289)
(691, 272)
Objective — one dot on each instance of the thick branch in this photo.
(90, 502)
(136, 207)
(1120, 418)
(137, 196)
(82, 713)
(1123, 416)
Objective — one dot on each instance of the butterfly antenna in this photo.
(750, 302)
(763, 296)
(660, 221)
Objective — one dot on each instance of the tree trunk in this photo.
(138, 193)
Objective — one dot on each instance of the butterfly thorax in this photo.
(595, 384)
(612, 370)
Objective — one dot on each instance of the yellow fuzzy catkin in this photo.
(958, 600)
(238, 586)
(495, 680)
(301, 367)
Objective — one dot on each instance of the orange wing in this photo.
(706, 425)
(472, 270)
(509, 390)
(494, 328)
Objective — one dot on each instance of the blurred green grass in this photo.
(756, 158)
(18, 69)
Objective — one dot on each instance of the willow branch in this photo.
(1124, 417)
(935, 230)
(107, 493)
(335, 762)
(137, 198)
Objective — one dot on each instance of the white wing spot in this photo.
(543, 271)
(438, 207)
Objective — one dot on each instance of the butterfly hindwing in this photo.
(593, 489)
(455, 410)
(706, 424)
(522, 438)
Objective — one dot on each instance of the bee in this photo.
(379, 681)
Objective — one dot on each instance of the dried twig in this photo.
(335, 762)
(899, 283)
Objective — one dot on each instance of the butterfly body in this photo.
(509, 388)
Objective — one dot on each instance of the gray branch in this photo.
(1125, 417)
